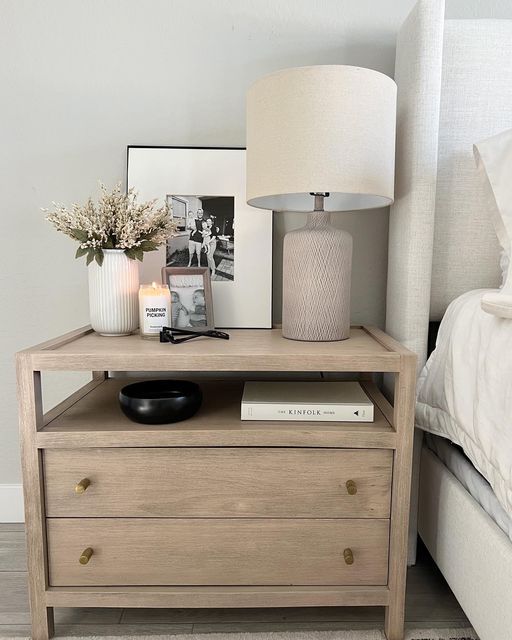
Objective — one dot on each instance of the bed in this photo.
(454, 82)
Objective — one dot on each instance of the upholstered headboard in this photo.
(454, 89)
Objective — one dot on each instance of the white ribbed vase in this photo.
(113, 294)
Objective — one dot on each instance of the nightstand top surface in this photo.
(367, 349)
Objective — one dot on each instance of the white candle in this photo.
(154, 309)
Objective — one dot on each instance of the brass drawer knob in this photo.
(348, 556)
(81, 487)
(86, 556)
(351, 487)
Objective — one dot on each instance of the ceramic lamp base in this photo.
(317, 265)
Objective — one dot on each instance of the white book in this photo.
(311, 401)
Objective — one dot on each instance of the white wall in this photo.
(81, 79)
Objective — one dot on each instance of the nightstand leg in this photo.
(394, 620)
(403, 418)
(42, 621)
(30, 415)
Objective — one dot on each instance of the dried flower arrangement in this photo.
(117, 221)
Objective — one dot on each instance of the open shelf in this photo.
(96, 420)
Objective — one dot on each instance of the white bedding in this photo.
(465, 390)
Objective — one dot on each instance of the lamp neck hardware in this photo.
(319, 199)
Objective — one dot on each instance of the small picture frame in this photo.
(191, 297)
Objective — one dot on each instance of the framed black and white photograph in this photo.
(216, 230)
(205, 235)
(191, 297)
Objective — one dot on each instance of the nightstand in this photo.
(213, 511)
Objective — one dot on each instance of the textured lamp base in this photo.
(317, 265)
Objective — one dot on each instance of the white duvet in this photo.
(465, 390)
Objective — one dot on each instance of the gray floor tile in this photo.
(235, 616)
(423, 607)
(12, 526)
(13, 555)
(83, 615)
(14, 631)
(14, 608)
(121, 630)
(263, 627)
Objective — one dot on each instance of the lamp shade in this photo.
(327, 128)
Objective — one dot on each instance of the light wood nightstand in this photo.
(214, 512)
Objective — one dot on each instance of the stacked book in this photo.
(311, 401)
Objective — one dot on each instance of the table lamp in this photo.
(320, 139)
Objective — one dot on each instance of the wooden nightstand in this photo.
(214, 512)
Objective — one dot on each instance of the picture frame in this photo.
(191, 298)
(231, 238)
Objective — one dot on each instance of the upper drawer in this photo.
(215, 482)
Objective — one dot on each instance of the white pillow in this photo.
(494, 164)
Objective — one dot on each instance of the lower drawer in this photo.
(217, 551)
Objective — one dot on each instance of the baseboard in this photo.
(11, 503)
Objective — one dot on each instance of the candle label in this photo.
(155, 314)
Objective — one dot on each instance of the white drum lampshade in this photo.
(320, 139)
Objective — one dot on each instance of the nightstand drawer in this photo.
(125, 551)
(218, 482)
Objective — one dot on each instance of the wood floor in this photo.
(430, 603)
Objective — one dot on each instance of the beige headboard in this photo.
(454, 88)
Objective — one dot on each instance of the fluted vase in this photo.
(113, 294)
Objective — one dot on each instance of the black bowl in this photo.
(160, 401)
